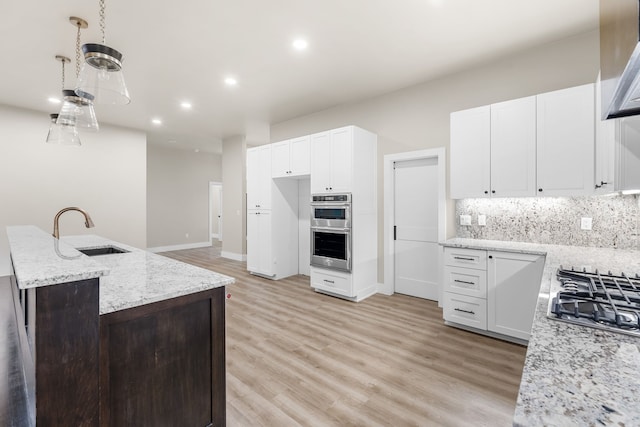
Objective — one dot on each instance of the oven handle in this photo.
(330, 205)
(332, 230)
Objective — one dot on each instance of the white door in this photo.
(416, 228)
(215, 210)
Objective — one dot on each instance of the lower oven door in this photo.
(331, 248)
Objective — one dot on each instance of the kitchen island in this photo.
(574, 375)
(123, 338)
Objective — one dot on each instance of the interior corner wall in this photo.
(178, 195)
(234, 152)
(106, 176)
(417, 117)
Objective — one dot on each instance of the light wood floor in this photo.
(296, 357)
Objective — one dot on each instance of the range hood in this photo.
(620, 57)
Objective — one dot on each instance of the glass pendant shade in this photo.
(62, 134)
(101, 75)
(77, 110)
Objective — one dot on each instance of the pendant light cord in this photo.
(102, 24)
(63, 61)
(77, 52)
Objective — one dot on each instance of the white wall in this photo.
(417, 117)
(105, 176)
(234, 154)
(178, 195)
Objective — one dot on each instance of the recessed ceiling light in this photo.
(156, 121)
(197, 150)
(186, 105)
(54, 100)
(172, 141)
(300, 44)
(230, 81)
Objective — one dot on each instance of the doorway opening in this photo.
(215, 213)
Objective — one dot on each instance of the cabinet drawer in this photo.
(330, 281)
(465, 281)
(465, 310)
(467, 258)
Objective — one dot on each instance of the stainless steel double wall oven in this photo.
(331, 231)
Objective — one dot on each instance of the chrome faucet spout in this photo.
(88, 222)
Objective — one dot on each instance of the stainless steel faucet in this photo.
(87, 220)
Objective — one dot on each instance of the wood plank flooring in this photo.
(299, 358)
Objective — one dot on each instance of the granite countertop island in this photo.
(127, 280)
(124, 337)
(574, 375)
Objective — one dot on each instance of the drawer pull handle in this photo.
(464, 311)
(464, 281)
(329, 281)
(464, 258)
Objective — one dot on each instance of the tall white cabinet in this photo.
(340, 160)
(344, 160)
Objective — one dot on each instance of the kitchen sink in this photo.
(104, 250)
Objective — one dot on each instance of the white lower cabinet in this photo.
(259, 243)
(332, 281)
(465, 310)
(513, 285)
(491, 291)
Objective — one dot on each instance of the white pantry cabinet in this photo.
(493, 150)
(492, 292)
(291, 157)
(566, 138)
(259, 177)
(259, 242)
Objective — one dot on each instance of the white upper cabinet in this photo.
(605, 149)
(332, 161)
(493, 150)
(259, 177)
(291, 157)
(628, 154)
(566, 138)
(513, 148)
(470, 153)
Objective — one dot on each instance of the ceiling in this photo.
(177, 51)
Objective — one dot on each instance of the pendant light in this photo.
(60, 133)
(101, 73)
(77, 107)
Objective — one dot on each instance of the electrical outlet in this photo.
(586, 223)
(482, 220)
(465, 219)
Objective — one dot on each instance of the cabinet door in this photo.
(280, 161)
(300, 155)
(513, 285)
(341, 160)
(321, 162)
(566, 142)
(513, 148)
(628, 154)
(259, 242)
(259, 177)
(470, 153)
(605, 149)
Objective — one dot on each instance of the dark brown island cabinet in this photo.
(162, 364)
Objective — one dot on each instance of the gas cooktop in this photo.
(605, 301)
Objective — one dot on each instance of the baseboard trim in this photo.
(233, 256)
(179, 247)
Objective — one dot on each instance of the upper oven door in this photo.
(325, 214)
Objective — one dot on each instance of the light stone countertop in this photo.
(574, 375)
(127, 280)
